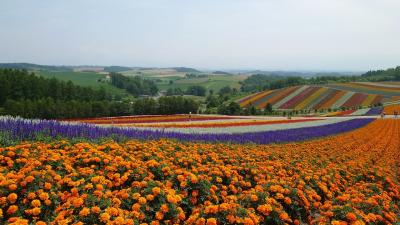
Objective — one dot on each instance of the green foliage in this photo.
(268, 108)
(383, 75)
(6, 140)
(164, 105)
(20, 85)
(174, 91)
(233, 108)
(196, 90)
(24, 94)
(134, 85)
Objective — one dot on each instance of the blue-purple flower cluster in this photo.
(22, 129)
(374, 111)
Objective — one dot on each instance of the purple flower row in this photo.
(374, 111)
(20, 129)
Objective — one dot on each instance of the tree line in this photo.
(383, 75)
(196, 90)
(48, 108)
(134, 85)
(24, 94)
(22, 85)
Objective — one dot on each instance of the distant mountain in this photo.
(116, 69)
(185, 70)
(30, 66)
(222, 73)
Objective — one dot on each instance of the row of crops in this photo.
(310, 98)
(348, 178)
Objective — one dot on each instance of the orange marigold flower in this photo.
(142, 201)
(84, 212)
(31, 195)
(36, 211)
(47, 202)
(113, 211)
(77, 202)
(159, 215)
(211, 221)
(12, 187)
(351, 216)
(36, 203)
(156, 191)
(193, 179)
(231, 218)
(150, 197)
(253, 198)
(40, 223)
(43, 196)
(29, 179)
(248, 221)
(12, 209)
(201, 221)
(12, 198)
(47, 186)
(105, 217)
(171, 199)
(284, 216)
(136, 196)
(96, 209)
(265, 209)
(119, 220)
(136, 207)
(288, 201)
(164, 208)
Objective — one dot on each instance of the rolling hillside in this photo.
(387, 89)
(310, 97)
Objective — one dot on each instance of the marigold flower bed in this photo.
(390, 109)
(345, 179)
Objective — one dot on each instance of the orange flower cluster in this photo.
(346, 179)
(390, 109)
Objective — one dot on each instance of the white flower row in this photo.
(360, 112)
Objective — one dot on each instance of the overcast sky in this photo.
(215, 34)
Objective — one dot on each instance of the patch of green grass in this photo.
(79, 78)
(212, 82)
(87, 79)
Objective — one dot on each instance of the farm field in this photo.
(344, 171)
(88, 79)
(170, 78)
(310, 97)
(211, 82)
(387, 89)
(162, 78)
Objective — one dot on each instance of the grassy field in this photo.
(169, 78)
(89, 79)
(211, 82)
(164, 79)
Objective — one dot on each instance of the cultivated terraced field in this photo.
(387, 89)
(310, 98)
